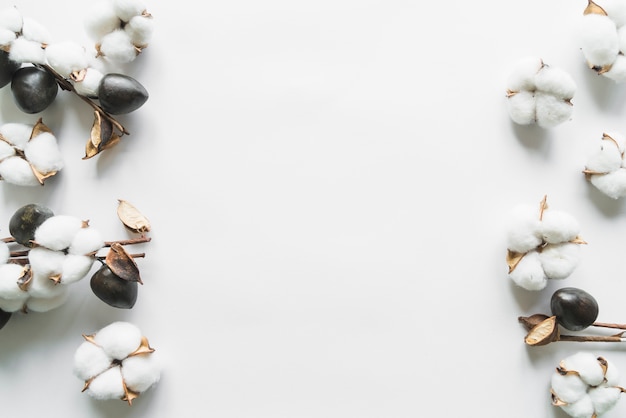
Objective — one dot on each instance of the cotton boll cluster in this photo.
(606, 168)
(585, 386)
(120, 28)
(539, 93)
(541, 245)
(24, 37)
(62, 254)
(29, 154)
(117, 362)
(602, 38)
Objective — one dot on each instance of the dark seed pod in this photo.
(4, 318)
(7, 68)
(34, 89)
(574, 308)
(119, 94)
(26, 220)
(112, 289)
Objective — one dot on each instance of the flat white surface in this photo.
(327, 183)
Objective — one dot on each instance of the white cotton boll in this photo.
(107, 385)
(17, 134)
(529, 272)
(36, 304)
(141, 372)
(522, 108)
(6, 37)
(90, 360)
(560, 260)
(604, 398)
(35, 31)
(6, 150)
(9, 275)
(57, 232)
(90, 84)
(617, 72)
(598, 40)
(16, 170)
(616, 10)
(139, 29)
(587, 365)
(117, 47)
(568, 388)
(551, 111)
(11, 19)
(555, 81)
(101, 19)
(41, 286)
(25, 51)
(522, 78)
(126, 9)
(558, 226)
(524, 231)
(86, 241)
(5, 252)
(580, 409)
(43, 153)
(45, 261)
(12, 305)
(612, 184)
(75, 268)
(608, 158)
(119, 339)
(66, 57)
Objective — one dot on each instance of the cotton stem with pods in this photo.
(115, 254)
(543, 329)
(66, 85)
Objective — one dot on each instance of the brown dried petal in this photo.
(39, 128)
(132, 218)
(122, 264)
(513, 258)
(102, 136)
(530, 321)
(23, 282)
(593, 8)
(543, 333)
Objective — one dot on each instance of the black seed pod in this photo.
(574, 308)
(119, 94)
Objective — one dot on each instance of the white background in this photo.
(327, 184)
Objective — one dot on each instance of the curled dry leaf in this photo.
(593, 8)
(122, 264)
(132, 218)
(102, 136)
(543, 333)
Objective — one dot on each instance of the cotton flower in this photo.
(66, 58)
(121, 29)
(602, 38)
(542, 244)
(585, 386)
(538, 93)
(116, 362)
(28, 154)
(606, 167)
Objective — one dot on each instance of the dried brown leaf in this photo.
(131, 217)
(122, 264)
(593, 8)
(39, 128)
(543, 333)
(25, 279)
(513, 258)
(102, 136)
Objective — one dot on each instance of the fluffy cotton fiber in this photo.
(585, 386)
(538, 93)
